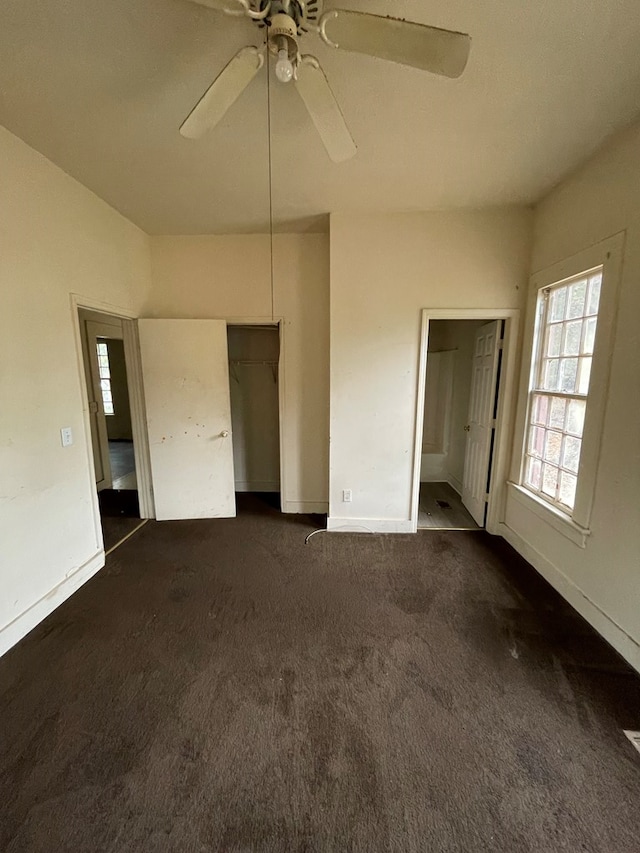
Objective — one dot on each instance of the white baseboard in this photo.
(314, 507)
(455, 484)
(369, 525)
(19, 627)
(443, 477)
(257, 486)
(597, 618)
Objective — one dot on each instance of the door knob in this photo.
(467, 428)
(224, 433)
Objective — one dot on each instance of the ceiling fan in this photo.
(431, 49)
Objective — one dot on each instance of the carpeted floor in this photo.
(220, 686)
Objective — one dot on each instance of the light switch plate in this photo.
(66, 436)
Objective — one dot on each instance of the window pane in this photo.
(533, 476)
(577, 294)
(108, 408)
(549, 480)
(551, 373)
(594, 294)
(572, 335)
(575, 416)
(104, 373)
(558, 409)
(568, 374)
(540, 410)
(536, 441)
(568, 483)
(554, 340)
(102, 349)
(571, 453)
(105, 384)
(552, 446)
(558, 304)
(585, 375)
(589, 335)
(106, 397)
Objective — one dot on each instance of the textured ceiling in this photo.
(101, 88)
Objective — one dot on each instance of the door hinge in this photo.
(486, 497)
(93, 408)
(500, 343)
(494, 423)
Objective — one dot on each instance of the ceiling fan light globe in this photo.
(284, 67)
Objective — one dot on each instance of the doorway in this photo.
(446, 464)
(112, 435)
(254, 356)
(466, 385)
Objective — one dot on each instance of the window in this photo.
(105, 377)
(566, 320)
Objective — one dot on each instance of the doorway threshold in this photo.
(128, 535)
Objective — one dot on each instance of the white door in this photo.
(185, 371)
(480, 420)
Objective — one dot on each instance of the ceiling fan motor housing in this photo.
(283, 27)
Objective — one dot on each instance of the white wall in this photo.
(384, 270)
(229, 277)
(602, 580)
(56, 237)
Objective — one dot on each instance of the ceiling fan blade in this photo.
(223, 92)
(323, 108)
(429, 48)
(237, 7)
(231, 7)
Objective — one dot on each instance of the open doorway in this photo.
(254, 355)
(463, 364)
(112, 438)
(467, 372)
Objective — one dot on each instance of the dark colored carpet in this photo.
(220, 686)
(115, 528)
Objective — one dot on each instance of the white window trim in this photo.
(559, 520)
(607, 254)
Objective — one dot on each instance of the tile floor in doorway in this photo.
(123, 468)
(441, 507)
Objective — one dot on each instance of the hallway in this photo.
(222, 686)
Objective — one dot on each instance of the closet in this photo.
(254, 353)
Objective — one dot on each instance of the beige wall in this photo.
(229, 277)
(603, 579)
(384, 270)
(56, 238)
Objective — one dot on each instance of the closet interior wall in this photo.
(254, 353)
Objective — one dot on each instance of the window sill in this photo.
(552, 516)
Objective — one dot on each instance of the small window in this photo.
(105, 377)
(567, 317)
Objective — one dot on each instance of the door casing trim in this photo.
(501, 458)
(136, 403)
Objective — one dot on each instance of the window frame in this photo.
(104, 342)
(606, 255)
(542, 325)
